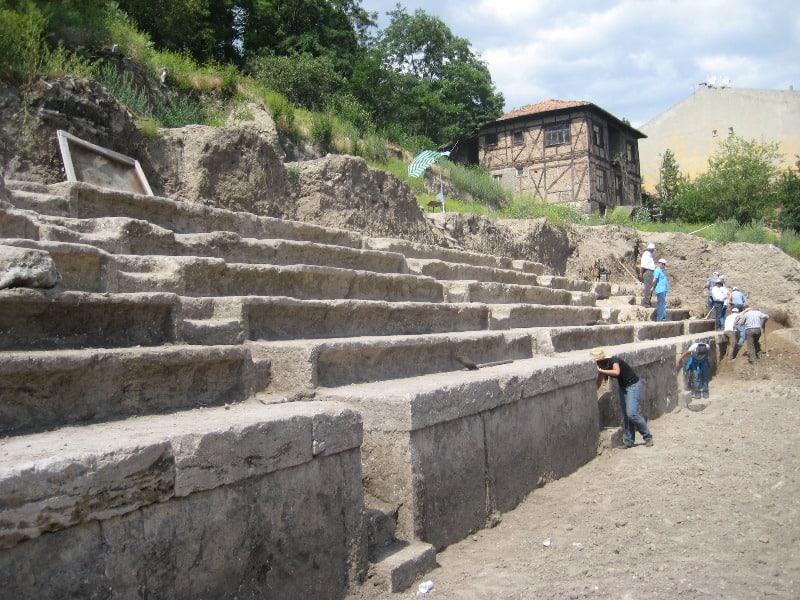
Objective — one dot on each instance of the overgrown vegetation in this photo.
(326, 74)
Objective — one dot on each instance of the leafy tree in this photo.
(670, 179)
(305, 80)
(789, 199)
(740, 183)
(319, 28)
(743, 175)
(434, 84)
(205, 29)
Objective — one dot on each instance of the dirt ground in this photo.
(711, 511)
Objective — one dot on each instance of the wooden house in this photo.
(570, 152)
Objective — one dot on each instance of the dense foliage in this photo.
(742, 183)
(414, 83)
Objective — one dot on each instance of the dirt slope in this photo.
(711, 511)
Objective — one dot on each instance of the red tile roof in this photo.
(542, 107)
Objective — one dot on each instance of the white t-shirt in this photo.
(647, 260)
(719, 293)
(729, 321)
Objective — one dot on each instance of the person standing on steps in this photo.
(719, 296)
(709, 285)
(661, 287)
(646, 268)
(630, 392)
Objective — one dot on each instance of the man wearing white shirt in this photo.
(719, 296)
(646, 267)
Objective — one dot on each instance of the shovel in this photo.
(472, 366)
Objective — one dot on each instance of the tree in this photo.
(741, 183)
(319, 28)
(436, 85)
(743, 176)
(789, 199)
(205, 29)
(671, 183)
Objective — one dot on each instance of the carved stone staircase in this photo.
(214, 403)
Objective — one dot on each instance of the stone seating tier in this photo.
(161, 397)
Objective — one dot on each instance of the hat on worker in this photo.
(651, 246)
(734, 309)
(735, 288)
(598, 354)
(663, 261)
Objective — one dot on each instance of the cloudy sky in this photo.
(633, 58)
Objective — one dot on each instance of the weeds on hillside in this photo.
(528, 207)
(182, 110)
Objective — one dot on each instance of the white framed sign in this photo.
(89, 163)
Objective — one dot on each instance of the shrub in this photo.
(476, 181)
(182, 110)
(21, 43)
(322, 129)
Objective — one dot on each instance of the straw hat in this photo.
(598, 354)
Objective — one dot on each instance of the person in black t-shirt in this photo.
(630, 391)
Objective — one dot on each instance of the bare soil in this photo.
(711, 511)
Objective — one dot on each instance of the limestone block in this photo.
(27, 267)
(60, 492)
(215, 458)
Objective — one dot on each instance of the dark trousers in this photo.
(647, 280)
(753, 343)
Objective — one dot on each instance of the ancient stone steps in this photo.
(251, 318)
(213, 467)
(54, 388)
(84, 201)
(47, 320)
(343, 361)
(416, 250)
(119, 235)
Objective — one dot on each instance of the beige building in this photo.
(570, 152)
(692, 128)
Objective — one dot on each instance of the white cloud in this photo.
(634, 58)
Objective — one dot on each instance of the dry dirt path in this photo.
(711, 511)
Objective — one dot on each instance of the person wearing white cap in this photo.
(709, 286)
(661, 287)
(719, 296)
(646, 268)
(736, 298)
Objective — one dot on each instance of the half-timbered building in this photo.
(570, 152)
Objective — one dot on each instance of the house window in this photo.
(497, 178)
(518, 138)
(556, 134)
(601, 180)
(631, 152)
(597, 135)
(490, 139)
(520, 171)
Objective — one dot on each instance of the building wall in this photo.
(579, 173)
(693, 128)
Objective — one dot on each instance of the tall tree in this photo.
(439, 87)
(741, 183)
(206, 29)
(293, 27)
(789, 199)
